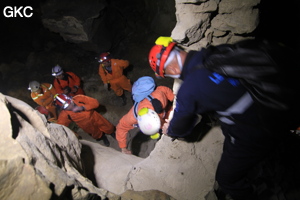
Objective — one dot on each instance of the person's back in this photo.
(111, 72)
(66, 82)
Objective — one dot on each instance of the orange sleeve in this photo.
(63, 118)
(125, 124)
(168, 92)
(48, 96)
(75, 80)
(122, 63)
(41, 100)
(102, 74)
(52, 90)
(57, 86)
(89, 103)
(37, 100)
(47, 101)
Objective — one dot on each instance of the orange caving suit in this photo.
(126, 123)
(88, 120)
(46, 98)
(72, 80)
(118, 82)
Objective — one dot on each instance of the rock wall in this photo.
(212, 22)
(101, 25)
(39, 160)
(108, 25)
(42, 160)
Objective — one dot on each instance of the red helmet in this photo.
(63, 100)
(104, 57)
(159, 54)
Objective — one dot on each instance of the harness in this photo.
(135, 109)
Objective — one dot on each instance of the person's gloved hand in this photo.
(66, 90)
(78, 109)
(126, 151)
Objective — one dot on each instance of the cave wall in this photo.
(102, 25)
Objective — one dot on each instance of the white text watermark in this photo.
(15, 11)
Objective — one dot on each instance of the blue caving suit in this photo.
(248, 139)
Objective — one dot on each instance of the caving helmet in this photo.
(104, 57)
(57, 70)
(149, 122)
(34, 86)
(159, 54)
(63, 101)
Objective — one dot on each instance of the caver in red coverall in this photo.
(88, 120)
(118, 82)
(71, 80)
(126, 123)
(45, 97)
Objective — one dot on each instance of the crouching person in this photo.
(80, 109)
(150, 101)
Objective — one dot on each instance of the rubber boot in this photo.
(113, 135)
(105, 140)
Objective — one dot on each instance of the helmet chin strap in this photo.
(177, 54)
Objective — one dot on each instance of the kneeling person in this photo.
(80, 109)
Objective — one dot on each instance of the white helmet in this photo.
(34, 86)
(148, 121)
(57, 70)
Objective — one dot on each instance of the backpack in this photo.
(142, 89)
(268, 70)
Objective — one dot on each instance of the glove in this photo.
(66, 90)
(78, 109)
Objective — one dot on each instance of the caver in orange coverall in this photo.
(70, 80)
(118, 82)
(88, 120)
(46, 98)
(126, 123)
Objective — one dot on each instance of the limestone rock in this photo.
(229, 6)
(214, 22)
(70, 28)
(187, 31)
(238, 22)
(180, 169)
(145, 195)
(39, 160)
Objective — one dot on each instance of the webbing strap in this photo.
(239, 107)
(149, 97)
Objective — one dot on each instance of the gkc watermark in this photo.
(18, 11)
